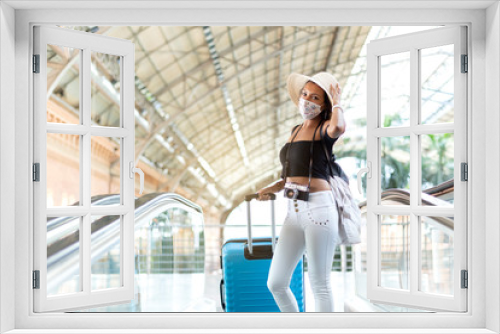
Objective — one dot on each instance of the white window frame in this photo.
(125, 131)
(484, 45)
(412, 44)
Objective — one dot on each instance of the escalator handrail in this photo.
(55, 222)
(149, 200)
(403, 196)
(143, 205)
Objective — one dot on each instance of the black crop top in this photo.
(299, 157)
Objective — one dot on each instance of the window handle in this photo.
(134, 170)
(362, 171)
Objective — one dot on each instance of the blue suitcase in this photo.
(245, 266)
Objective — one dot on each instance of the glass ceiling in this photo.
(212, 111)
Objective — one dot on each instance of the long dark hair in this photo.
(326, 114)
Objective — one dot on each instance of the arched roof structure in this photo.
(212, 109)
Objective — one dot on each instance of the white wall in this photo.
(492, 165)
(486, 153)
(7, 160)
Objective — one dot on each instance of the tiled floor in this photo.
(201, 293)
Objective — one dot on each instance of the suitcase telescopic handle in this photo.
(248, 198)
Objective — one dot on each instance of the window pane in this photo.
(105, 104)
(437, 75)
(170, 266)
(438, 166)
(395, 163)
(395, 251)
(106, 252)
(360, 262)
(105, 170)
(63, 84)
(395, 89)
(437, 255)
(63, 255)
(63, 169)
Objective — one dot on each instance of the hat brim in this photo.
(296, 82)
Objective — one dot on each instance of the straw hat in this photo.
(296, 82)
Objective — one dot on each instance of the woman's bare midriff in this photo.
(316, 184)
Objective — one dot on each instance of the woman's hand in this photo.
(336, 92)
(264, 194)
(337, 123)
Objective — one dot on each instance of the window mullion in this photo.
(86, 171)
(414, 170)
(425, 129)
(438, 211)
(85, 116)
(86, 221)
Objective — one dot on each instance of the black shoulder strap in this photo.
(328, 158)
(295, 127)
(287, 164)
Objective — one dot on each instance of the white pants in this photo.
(310, 226)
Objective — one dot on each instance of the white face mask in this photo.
(309, 109)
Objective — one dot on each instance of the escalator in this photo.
(159, 220)
(436, 237)
(170, 252)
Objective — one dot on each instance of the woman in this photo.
(311, 224)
